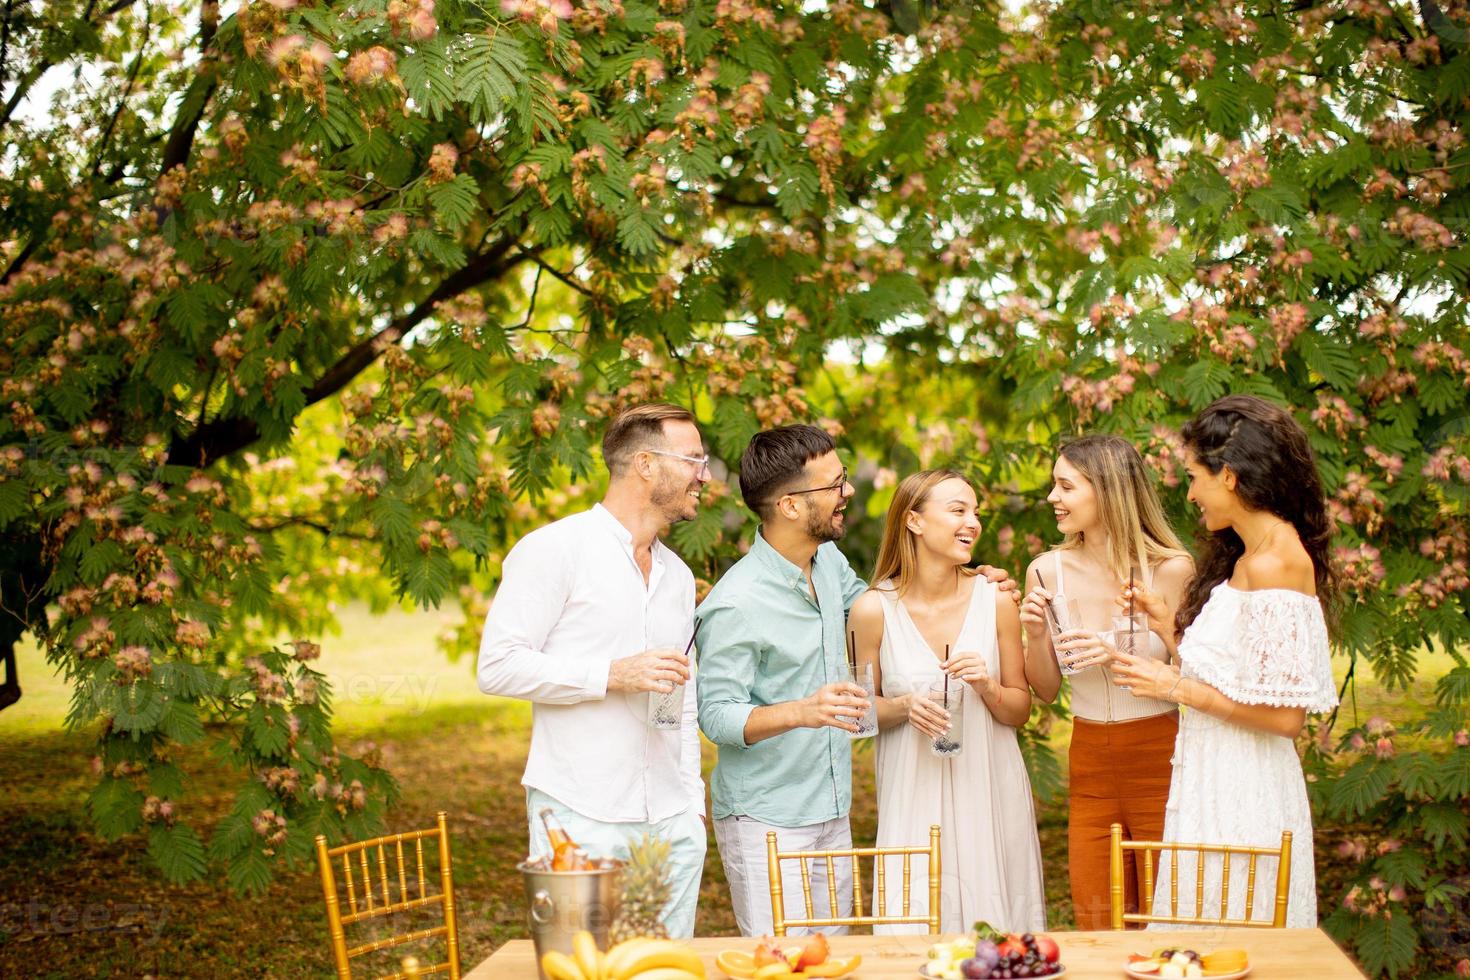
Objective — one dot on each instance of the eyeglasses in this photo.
(841, 482)
(701, 463)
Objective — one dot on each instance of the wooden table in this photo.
(1275, 954)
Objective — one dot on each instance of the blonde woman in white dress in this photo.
(926, 602)
(1254, 656)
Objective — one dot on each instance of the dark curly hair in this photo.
(1275, 471)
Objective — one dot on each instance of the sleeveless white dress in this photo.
(1233, 785)
(990, 855)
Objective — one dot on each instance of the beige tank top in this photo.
(1094, 696)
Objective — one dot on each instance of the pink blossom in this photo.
(1383, 748)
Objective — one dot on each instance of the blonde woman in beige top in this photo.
(1118, 762)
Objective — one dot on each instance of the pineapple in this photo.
(646, 891)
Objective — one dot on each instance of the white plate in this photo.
(924, 972)
(1155, 975)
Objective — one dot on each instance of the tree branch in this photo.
(122, 101)
(46, 64)
(558, 274)
(221, 437)
(196, 97)
(326, 530)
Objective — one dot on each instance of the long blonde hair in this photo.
(1127, 503)
(898, 555)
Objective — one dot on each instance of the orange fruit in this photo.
(836, 966)
(736, 963)
(1223, 961)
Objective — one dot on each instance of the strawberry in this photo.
(814, 952)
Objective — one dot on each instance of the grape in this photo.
(988, 953)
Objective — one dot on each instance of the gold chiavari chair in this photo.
(374, 899)
(780, 923)
(1146, 898)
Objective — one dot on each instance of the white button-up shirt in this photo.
(572, 600)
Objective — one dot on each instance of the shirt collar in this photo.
(617, 527)
(625, 536)
(778, 564)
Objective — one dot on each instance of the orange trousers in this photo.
(1118, 773)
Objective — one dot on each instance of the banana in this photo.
(589, 957)
(650, 956)
(560, 966)
(667, 973)
(623, 953)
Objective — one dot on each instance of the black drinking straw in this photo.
(852, 651)
(1131, 648)
(946, 678)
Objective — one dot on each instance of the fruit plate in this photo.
(924, 972)
(1217, 976)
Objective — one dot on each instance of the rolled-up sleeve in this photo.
(513, 663)
(728, 654)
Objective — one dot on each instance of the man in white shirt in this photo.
(593, 613)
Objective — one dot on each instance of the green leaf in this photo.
(1445, 826)
(1204, 381)
(15, 500)
(696, 540)
(487, 75)
(249, 872)
(455, 201)
(180, 722)
(1360, 788)
(637, 232)
(1405, 866)
(1333, 362)
(426, 578)
(178, 853)
(115, 807)
(1387, 945)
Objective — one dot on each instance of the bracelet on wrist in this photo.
(1177, 681)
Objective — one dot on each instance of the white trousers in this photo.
(742, 843)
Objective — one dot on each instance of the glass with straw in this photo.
(1062, 614)
(862, 676)
(1130, 632)
(666, 710)
(948, 743)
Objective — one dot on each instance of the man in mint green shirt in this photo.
(775, 693)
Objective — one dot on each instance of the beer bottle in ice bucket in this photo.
(565, 854)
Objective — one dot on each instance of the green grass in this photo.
(77, 906)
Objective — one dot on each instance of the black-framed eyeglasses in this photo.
(841, 482)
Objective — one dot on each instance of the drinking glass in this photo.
(666, 711)
(1063, 614)
(867, 722)
(949, 743)
(1131, 636)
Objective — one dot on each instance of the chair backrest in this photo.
(780, 923)
(1146, 897)
(370, 890)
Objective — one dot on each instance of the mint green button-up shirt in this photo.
(763, 640)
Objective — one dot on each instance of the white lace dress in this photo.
(1234, 785)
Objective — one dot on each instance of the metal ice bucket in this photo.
(561, 903)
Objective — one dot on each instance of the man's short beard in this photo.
(824, 530)
(667, 496)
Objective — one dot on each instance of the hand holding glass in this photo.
(1063, 614)
(950, 742)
